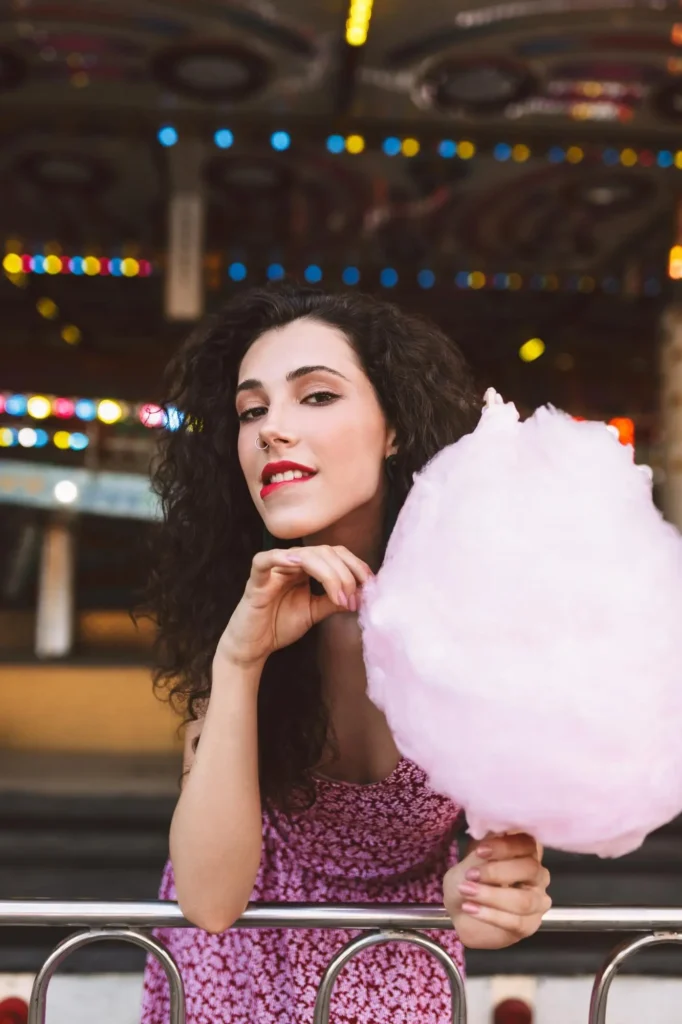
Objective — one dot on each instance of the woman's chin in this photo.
(288, 534)
(303, 532)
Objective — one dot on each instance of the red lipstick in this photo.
(273, 468)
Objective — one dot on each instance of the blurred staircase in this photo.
(92, 827)
(81, 827)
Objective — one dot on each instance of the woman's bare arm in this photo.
(215, 839)
(216, 834)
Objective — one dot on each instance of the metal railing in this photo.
(383, 923)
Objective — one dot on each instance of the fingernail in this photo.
(468, 888)
(294, 559)
(484, 851)
(471, 908)
(342, 599)
(352, 603)
(473, 874)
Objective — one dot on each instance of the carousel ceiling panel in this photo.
(306, 200)
(490, 217)
(535, 62)
(171, 56)
(110, 195)
(108, 192)
(81, 190)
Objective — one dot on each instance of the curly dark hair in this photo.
(211, 529)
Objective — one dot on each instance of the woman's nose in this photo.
(275, 430)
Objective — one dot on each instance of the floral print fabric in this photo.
(389, 842)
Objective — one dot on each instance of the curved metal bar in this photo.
(604, 979)
(38, 1001)
(355, 946)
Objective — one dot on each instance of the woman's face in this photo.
(303, 392)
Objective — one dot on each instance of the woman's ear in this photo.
(391, 447)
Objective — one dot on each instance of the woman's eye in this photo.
(250, 414)
(323, 396)
(317, 397)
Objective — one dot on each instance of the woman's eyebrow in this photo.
(252, 384)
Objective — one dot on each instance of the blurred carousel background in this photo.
(512, 169)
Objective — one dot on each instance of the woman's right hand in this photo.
(278, 606)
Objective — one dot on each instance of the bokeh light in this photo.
(109, 411)
(532, 350)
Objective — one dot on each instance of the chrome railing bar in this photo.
(351, 949)
(147, 914)
(38, 1002)
(616, 959)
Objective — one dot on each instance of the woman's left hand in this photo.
(498, 895)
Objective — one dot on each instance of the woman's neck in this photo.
(362, 532)
(363, 750)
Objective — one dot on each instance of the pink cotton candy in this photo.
(524, 636)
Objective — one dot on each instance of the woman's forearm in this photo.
(215, 838)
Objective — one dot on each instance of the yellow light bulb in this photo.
(61, 439)
(130, 267)
(532, 350)
(675, 263)
(38, 407)
(53, 265)
(520, 153)
(593, 89)
(355, 143)
(109, 411)
(71, 334)
(91, 266)
(356, 35)
(47, 308)
(12, 263)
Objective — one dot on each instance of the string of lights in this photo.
(427, 278)
(357, 22)
(463, 149)
(465, 280)
(31, 437)
(105, 410)
(88, 266)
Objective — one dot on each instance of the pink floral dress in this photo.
(389, 842)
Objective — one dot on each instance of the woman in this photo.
(305, 417)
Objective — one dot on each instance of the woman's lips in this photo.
(269, 488)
